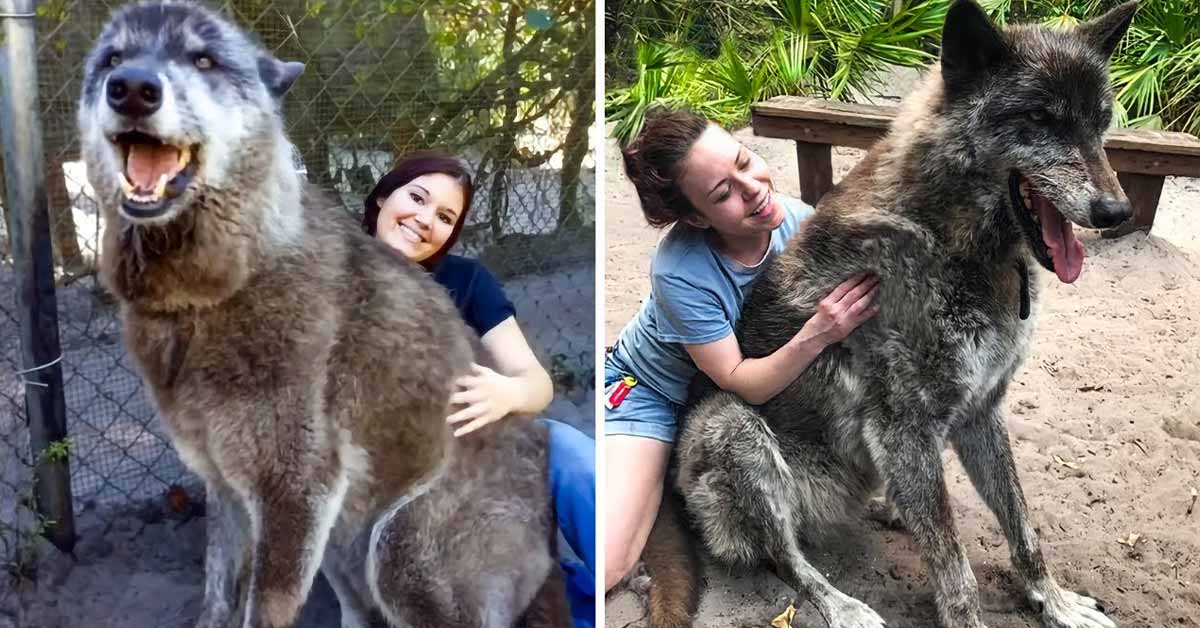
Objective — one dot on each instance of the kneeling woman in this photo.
(419, 209)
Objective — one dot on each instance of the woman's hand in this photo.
(487, 396)
(847, 307)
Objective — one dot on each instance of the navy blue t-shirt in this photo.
(478, 295)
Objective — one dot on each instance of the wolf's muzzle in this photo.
(1110, 212)
(134, 92)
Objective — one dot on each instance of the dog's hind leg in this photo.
(983, 446)
(908, 458)
(224, 557)
(749, 498)
(291, 518)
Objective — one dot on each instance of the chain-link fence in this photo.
(509, 86)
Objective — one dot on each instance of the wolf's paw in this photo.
(881, 510)
(1066, 609)
(850, 613)
(637, 580)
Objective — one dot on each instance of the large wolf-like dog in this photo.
(976, 184)
(302, 369)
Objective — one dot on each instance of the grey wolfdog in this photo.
(302, 368)
(980, 178)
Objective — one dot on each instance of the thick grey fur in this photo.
(929, 211)
(302, 368)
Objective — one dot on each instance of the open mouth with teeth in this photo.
(408, 232)
(1048, 232)
(762, 205)
(155, 172)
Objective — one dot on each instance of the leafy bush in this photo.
(720, 58)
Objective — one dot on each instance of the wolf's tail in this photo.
(672, 560)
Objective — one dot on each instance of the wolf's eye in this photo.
(1036, 116)
(114, 59)
(204, 62)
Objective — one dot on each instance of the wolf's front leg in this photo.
(225, 556)
(908, 458)
(291, 518)
(983, 446)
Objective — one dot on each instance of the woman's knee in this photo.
(619, 560)
(626, 534)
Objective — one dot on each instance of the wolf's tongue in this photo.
(1065, 250)
(147, 163)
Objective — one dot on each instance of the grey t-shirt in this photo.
(696, 296)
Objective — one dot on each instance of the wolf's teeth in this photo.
(126, 186)
(161, 188)
(185, 156)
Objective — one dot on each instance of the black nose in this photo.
(1110, 212)
(134, 92)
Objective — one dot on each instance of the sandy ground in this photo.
(145, 568)
(1109, 387)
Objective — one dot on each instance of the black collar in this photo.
(1023, 273)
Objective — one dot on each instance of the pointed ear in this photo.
(970, 44)
(1106, 31)
(277, 75)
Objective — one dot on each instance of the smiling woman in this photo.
(420, 215)
(418, 209)
(728, 224)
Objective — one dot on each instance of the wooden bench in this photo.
(1141, 158)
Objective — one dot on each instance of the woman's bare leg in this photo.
(634, 472)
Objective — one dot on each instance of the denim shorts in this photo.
(644, 412)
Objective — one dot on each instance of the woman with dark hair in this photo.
(726, 223)
(418, 209)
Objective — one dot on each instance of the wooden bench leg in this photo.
(1143, 191)
(816, 170)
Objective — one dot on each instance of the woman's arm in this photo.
(519, 385)
(514, 358)
(757, 380)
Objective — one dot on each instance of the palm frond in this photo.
(719, 56)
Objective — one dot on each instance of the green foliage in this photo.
(19, 542)
(57, 451)
(837, 48)
(827, 48)
(665, 74)
(1156, 70)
